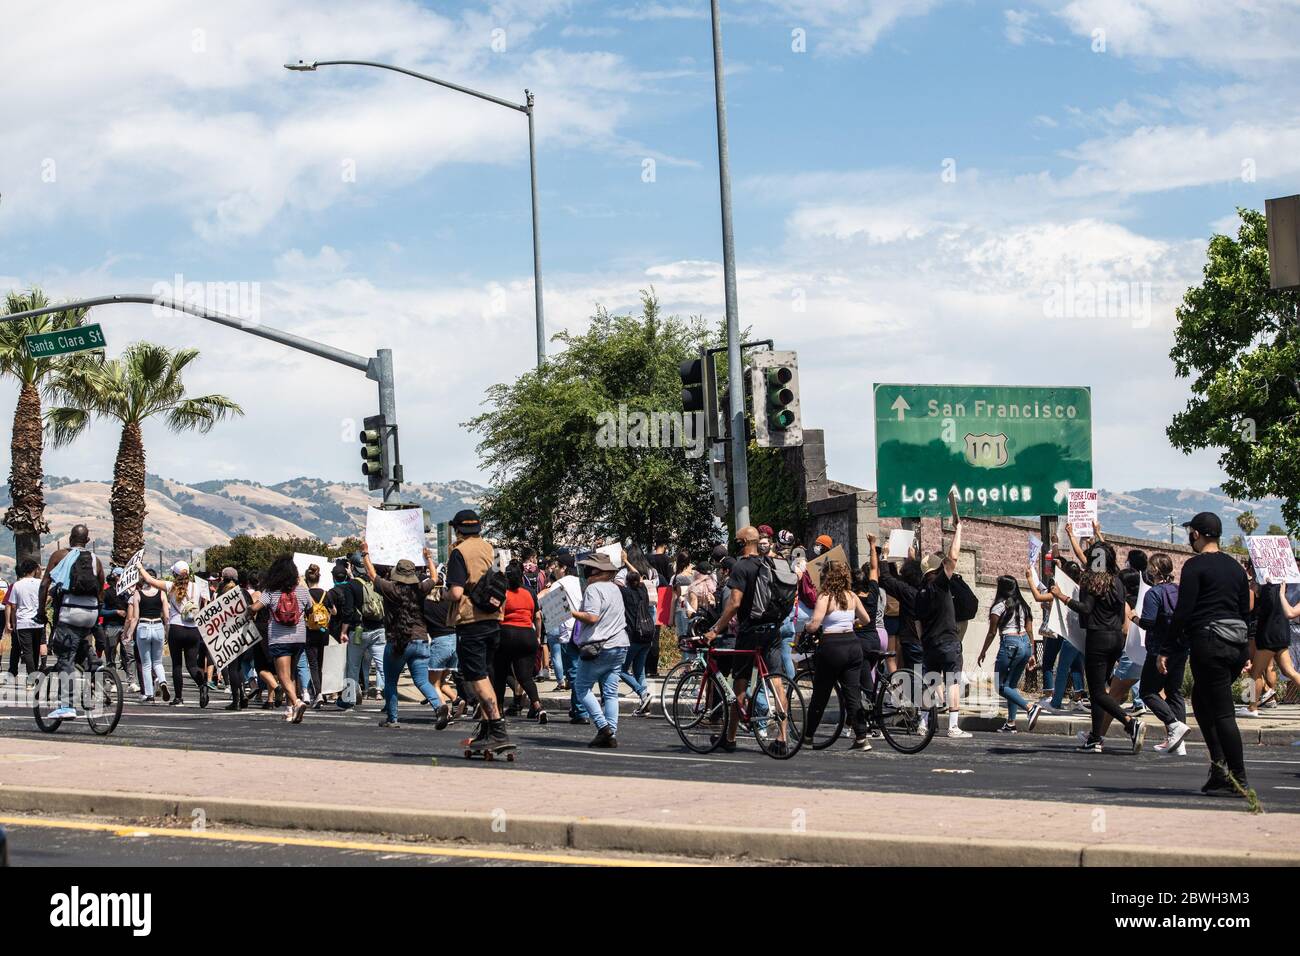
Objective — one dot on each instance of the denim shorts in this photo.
(442, 653)
(1127, 669)
(285, 650)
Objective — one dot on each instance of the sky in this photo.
(947, 191)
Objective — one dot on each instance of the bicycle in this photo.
(692, 663)
(703, 700)
(896, 708)
(99, 691)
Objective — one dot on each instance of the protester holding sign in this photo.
(184, 599)
(1272, 644)
(146, 628)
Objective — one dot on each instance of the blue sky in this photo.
(1094, 141)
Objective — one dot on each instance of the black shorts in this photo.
(476, 646)
(766, 639)
(944, 660)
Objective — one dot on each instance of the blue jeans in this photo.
(363, 648)
(569, 655)
(557, 657)
(603, 670)
(304, 677)
(1064, 663)
(633, 673)
(1013, 655)
(149, 648)
(416, 657)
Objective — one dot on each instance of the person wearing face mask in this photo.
(1210, 622)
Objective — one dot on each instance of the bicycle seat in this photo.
(880, 655)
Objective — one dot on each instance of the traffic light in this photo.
(374, 452)
(774, 397)
(700, 392)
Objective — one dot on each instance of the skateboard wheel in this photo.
(487, 755)
(510, 758)
(468, 754)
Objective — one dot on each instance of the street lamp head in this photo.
(301, 66)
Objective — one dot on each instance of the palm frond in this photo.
(64, 425)
(201, 413)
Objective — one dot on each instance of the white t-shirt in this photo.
(25, 597)
(1010, 624)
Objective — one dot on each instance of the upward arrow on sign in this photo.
(900, 405)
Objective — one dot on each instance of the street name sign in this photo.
(1007, 450)
(84, 338)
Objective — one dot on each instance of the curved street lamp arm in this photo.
(421, 76)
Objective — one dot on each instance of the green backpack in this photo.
(372, 604)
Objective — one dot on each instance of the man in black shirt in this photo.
(753, 635)
(1210, 619)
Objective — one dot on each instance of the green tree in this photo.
(25, 516)
(1276, 529)
(559, 473)
(256, 552)
(1239, 342)
(147, 381)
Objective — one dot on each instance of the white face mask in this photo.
(764, 547)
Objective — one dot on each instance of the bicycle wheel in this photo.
(899, 708)
(670, 683)
(45, 701)
(102, 697)
(832, 723)
(700, 711)
(779, 731)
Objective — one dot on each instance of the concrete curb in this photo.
(579, 833)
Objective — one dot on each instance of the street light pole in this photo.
(735, 370)
(303, 66)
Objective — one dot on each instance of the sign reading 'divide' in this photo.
(84, 338)
(226, 627)
(1007, 451)
(1273, 559)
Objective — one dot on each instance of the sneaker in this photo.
(1269, 699)
(176, 702)
(646, 702)
(604, 739)
(1247, 712)
(63, 713)
(956, 733)
(862, 743)
(390, 724)
(203, 695)
(1035, 712)
(729, 746)
(1137, 732)
(1177, 750)
(1008, 728)
(543, 674)
(778, 748)
(444, 717)
(162, 691)
(298, 712)
(1089, 746)
(579, 720)
(1177, 731)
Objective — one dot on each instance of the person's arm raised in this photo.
(954, 547)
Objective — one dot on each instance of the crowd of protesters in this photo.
(474, 638)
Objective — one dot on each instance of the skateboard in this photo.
(509, 751)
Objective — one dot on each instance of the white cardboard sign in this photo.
(131, 573)
(1082, 511)
(326, 565)
(333, 665)
(1273, 559)
(555, 608)
(900, 542)
(226, 627)
(394, 535)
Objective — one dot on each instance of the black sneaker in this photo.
(444, 717)
(728, 745)
(1137, 732)
(579, 720)
(1090, 745)
(604, 739)
(203, 695)
(390, 724)
(1035, 712)
(1008, 728)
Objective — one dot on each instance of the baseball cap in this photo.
(230, 574)
(180, 567)
(1206, 524)
(718, 553)
(404, 573)
(466, 518)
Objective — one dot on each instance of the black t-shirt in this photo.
(1274, 630)
(342, 602)
(1212, 587)
(1102, 612)
(936, 613)
(744, 575)
(905, 595)
(435, 616)
(663, 565)
(114, 606)
(457, 572)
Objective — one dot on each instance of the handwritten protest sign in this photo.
(900, 540)
(1035, 550)
(131, 573)
(816, 564)
(555, 608)
(226, 627)
(1082, 511)
(1273, 559)
(394, 535)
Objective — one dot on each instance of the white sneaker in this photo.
(956, 733)
(1247, 712)
(63, 713)
(1178, 750)
(1176, 732)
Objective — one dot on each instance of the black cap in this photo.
(1206, 524)
(566, 560)
(718, 553)
(466, 518)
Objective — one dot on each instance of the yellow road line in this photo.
(233, 837)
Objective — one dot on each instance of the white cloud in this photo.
(295, 262)
(1018, 28)
(849, 27)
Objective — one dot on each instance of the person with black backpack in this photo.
(642, 631)
(73, 582)
(759, 599)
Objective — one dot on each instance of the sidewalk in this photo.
(507, 804)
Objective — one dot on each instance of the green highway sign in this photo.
(84, 338)
(1007, 451)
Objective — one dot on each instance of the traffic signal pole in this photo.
(735, 370)
(378, 369)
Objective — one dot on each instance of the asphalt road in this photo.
(1027, 766)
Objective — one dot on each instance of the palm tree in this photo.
(143, 383)
(26, 514)
(1247, 522)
